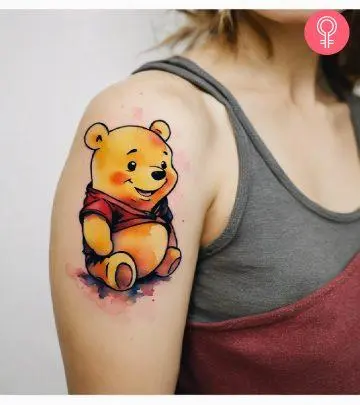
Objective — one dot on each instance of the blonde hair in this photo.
(219, 25)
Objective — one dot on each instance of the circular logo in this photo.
(327, 32)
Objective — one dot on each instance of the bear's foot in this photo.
(121, 271)
(169, 263)
(117, 271)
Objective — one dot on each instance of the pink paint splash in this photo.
(108, 299)
(176, 198)
(181, 162)
(137, 113)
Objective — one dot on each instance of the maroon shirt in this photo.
(309, 347)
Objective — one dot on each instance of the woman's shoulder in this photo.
(154, 95)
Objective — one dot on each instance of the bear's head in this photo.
(132, 164)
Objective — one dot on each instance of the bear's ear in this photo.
(96, 135)
(161, 128)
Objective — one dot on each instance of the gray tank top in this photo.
(278, 246)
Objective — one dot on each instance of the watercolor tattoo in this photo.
(128, 236)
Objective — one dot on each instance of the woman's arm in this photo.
(117, 342)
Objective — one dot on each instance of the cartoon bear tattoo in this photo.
(126, 220)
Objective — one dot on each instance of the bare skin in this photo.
(309, 133)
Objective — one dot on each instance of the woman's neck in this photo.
(291, 67)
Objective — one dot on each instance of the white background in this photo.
(51, 64)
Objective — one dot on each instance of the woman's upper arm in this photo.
(129, 341)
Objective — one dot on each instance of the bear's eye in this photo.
(163, 165)
(131, 166)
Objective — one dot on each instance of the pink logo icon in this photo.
(326, 32)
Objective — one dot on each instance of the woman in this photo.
(262, 219)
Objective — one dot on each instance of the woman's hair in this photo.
(224, 26)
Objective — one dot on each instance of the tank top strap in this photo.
(258, 168)
(194, 74)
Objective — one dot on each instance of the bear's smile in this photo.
(145, 193)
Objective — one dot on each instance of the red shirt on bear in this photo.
(119, 215)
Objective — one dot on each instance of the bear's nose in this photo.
(158, 174)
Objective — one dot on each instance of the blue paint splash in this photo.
(141, 288)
